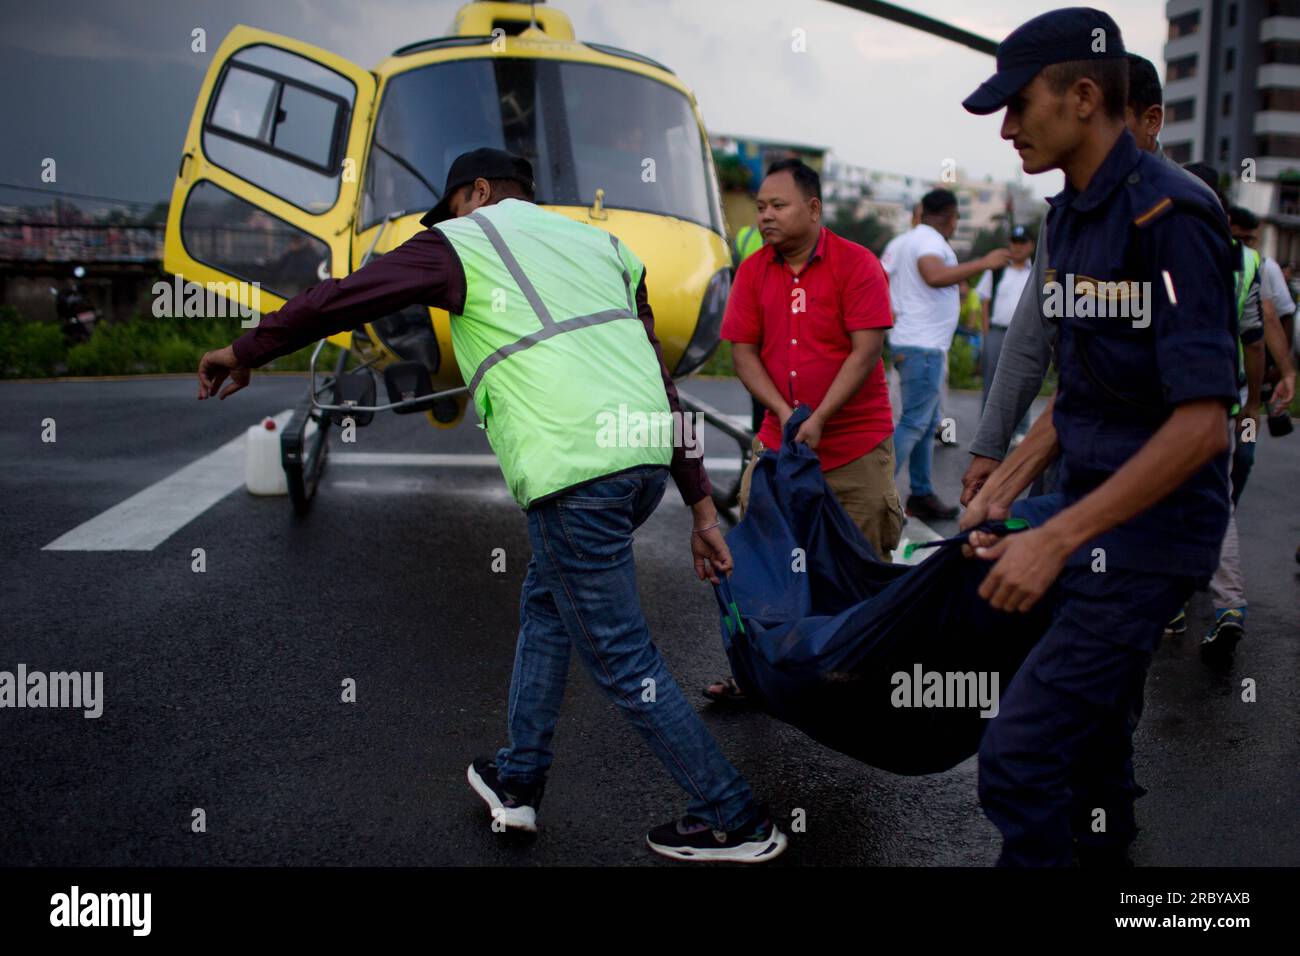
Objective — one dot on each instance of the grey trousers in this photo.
(989, 352)
(1228, 586)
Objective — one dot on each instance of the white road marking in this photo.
(915, 530)
(395, 459)
(150, 517)
(385, 458)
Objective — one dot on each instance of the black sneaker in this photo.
(930, 507)
(515, 807)
(692, 839)
(1217, 646)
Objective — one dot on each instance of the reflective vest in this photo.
(1244, 277)
(1249, 269)
(748, 241)
(564, 379)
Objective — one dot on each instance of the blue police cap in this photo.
(1054, 37)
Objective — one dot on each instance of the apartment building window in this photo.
(1232, 14)
(1286, 100)
(1227, 104)
(1185, 25)
(1229, 59)
(1178, 152)
(1281, 147)
(1281, 51)
(1180, 110)
(1288, 200)
(1181, 69)
(1223, 148)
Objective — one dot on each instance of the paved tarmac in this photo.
(221, 689)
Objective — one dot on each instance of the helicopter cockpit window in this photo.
(280, 121)
(583, 127)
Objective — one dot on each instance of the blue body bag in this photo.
(847, 648)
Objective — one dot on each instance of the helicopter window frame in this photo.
(226, 269)
(713, 198)
(343, 117)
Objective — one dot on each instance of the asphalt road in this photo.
(221, 689)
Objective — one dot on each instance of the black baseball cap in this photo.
(485, 162)
(1021, 234)
(1054, 37)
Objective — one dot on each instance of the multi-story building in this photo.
(1232, 99)
(753, 157)
(890, 197)
(863, 192)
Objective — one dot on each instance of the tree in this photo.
(869, 231)
(986, 240)
(156, 214)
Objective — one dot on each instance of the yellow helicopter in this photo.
(299, 166)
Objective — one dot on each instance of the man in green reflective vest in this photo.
(748, 241)
(555, 339)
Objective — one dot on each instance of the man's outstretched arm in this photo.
(424, 270)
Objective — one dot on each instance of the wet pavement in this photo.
(222, 689)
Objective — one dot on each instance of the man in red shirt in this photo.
(807, 318)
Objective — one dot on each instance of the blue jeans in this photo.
(920, 373)
(580, 591)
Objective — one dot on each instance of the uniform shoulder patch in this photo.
(1150, 215)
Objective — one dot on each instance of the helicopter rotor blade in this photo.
(919, 21)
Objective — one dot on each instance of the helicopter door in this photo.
(268, 181)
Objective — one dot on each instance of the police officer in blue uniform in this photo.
(1139, 275)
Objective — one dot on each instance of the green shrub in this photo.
(962, 370)
(143, 345)
(719, 362)
(28, 349)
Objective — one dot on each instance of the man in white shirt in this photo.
(1273, 286)
(923, 290)
(887, 254)
(999, 291)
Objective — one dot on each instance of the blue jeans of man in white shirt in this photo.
(920, 375)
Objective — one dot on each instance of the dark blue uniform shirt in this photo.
(1120, 378)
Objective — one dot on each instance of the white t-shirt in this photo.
(924, 317)
(1272, 285)
(1009, 290)
(887, 254)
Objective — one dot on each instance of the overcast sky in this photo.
(106, 87)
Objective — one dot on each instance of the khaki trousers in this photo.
(864, 487)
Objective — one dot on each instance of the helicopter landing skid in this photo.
(304, 443)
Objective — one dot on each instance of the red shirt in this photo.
(801, 324)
